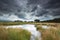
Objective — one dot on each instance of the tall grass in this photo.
(20, 34)
(14, 34)
(49, 34)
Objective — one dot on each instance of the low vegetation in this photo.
(52, 33)
(18, 34)
(14, 34)
(14, 23)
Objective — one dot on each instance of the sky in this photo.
(29, 10)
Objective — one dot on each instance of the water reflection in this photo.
(34, 33)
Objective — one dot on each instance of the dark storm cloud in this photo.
(49, 7)
(55, 12)
(20, 15)
(33, 2)
(7, 6)
(46, 3)
(42, 12)
(35, 8)
(53, 4)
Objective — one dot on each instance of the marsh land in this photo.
(49, 31)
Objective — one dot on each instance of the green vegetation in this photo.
(57, 20)
(14, 34)
(14, 23)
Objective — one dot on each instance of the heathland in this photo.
(51, 33)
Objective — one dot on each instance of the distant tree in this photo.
(18, 21)
(37, 20)
(56, 20)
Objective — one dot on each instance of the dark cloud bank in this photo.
(29, 9)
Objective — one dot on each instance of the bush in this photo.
(37, 20)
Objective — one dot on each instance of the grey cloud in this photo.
(46, 3)
(49, 7)
(20, 15)
(8, 6)
(53, 4)
(22, 7)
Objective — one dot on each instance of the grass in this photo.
(14, 23)
(19, 34)
(14, 34)
(49, 34)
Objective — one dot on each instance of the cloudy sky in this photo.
(29, 10)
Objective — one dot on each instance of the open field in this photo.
(53, 33)
(20, 23)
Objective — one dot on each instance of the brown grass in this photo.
(50, 34)
(47, 34)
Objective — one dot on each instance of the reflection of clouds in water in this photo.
(45, 27)
(29, 27)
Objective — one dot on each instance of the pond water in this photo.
(45, 27)
(31, 28)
